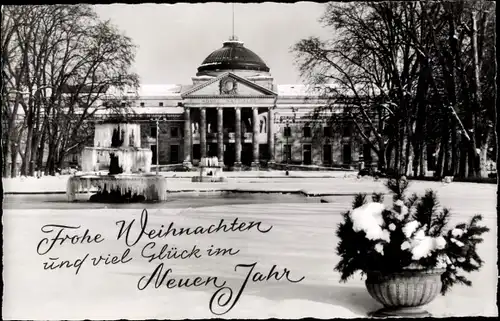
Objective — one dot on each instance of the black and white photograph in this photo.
(249, 160)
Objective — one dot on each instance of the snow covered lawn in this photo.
(310, 185)
(58, 183)
(302, 240)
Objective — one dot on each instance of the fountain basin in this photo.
(209, 173)
(151, 187)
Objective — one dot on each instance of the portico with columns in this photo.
(231, 118)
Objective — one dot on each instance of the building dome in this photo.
(232, 56)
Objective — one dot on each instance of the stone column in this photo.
(237, 138)
(270, 134)
(203, 132)
(187, 137)
(220, 136)
(255, 137)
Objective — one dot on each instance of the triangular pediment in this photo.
(228, 85)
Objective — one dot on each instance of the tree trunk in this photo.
(440, 164)
(382, 163)
(483, 158)
(483, 153)
(14, 155)
(475, 170)
(447, 167)
(417, 151)
(442, 160)
(27, 152)
(5, 156)
(462, 167)
(382, 159)
(396, 155)
(34, 153)
(60, 163)
(423, 160)
(408, 158)
(40, 153)
(471, 160)
(455, 149)
(50, 165)
(402, 158)
(463, 158)
(424, 80)
(388, 155)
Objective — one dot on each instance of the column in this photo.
(237, 136)
(255, 137)
(203, 132)
(270, 134)
(220, 136)
(187, 137)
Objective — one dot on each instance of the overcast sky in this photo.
(174, 39)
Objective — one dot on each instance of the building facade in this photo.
(234, 111)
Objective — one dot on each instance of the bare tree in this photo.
(68, 61)
(411, 75)
(374, 70)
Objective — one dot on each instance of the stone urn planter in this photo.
(405, 293)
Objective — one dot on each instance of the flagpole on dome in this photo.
(233, 37)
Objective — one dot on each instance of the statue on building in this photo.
(194, 128)
(263, 124)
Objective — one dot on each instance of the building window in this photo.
(347, 132)
(153, 131)
(307, 131)
(327, 131)
(327, 154)
(346, 155)
(287, 153)
(307, 154)
(142, 104)
(174, 154)
(287, 131)
(174, 131)
(160, 104)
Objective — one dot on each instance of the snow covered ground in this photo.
(312, 183)
(178, 180)
(302, 240)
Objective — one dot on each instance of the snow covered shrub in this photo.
(412, 233)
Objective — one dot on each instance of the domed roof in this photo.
(233, 55)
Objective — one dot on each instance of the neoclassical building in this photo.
(233, 110)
